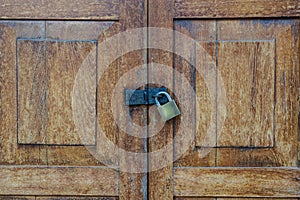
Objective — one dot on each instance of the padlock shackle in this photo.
(164, 93)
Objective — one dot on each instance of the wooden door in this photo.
(244, 69)
(234, 75)
(43, 45)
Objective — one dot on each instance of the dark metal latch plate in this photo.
(144, 97)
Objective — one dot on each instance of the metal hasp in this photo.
(144, 97)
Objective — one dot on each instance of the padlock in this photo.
(168, 110)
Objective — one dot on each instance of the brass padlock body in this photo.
(168, 110)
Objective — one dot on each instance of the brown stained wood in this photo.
(287, 84)
(200, 198)
(160, 181)
(63, 60)
(184, 77)
(206, 97)
(133, 185)
(237, 182)
(58, 181)
(32, 90)
(63, 9)
(105, 85)
(17, 198)
(8, 93)
(247, 70)
(72, 156)
(200, 30)
(75, 30)
(236, 8)
(262, 29)
(203, 31)
(10, 151)
(76, 198)
(248, 157)
(133, 14)
(257, 198)
(204, 157)
(47, 101)
(78, 155)
(26, 29)
(285, 32)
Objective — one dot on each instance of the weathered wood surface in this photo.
(133, 14)
(247, 70)
(286, 68)
(17, 197)
(230, 34)
(44, 180)
(63, 9)
(276, 87)
(10, 151)
(236, 8)
(228, 198)
(78, 30)
(160, 180)
(237, 182)
(55, 198)
(47, 72)
(26, 29)
(32, 90)
(63, 61)
(76, 198)
(287, 102)
(187, 198)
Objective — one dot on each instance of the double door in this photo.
(231, 66)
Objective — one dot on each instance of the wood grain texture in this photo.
(10, 151)
(236, 8)
(256, 198)
(237, 182)
(206, 113)
(63, 61)
(200, 30)
(35, 9)
(17, 198)
(194, 198)
(257, 29)
(204, 32)
(199, 156)
(76, 30)
(286, 35)
(45, 84)
(133, 14)
(58, 181)
(76, 198)
(160, 180)
(248, 157)
(32, 114)
(134, 185)
(203, 198)
(106, 125)
(287, 104)
(26, 29)
(72, 156)
(247, 70)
